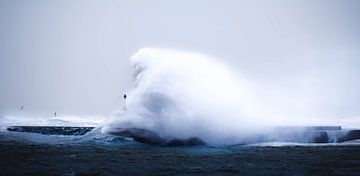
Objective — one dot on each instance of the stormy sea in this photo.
(188, 115)
(97, 154)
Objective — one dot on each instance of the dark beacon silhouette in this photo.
(125, 107)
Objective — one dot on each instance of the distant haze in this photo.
(72, 57)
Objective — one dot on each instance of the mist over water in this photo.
(180, 94)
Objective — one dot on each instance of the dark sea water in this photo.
(35, 154)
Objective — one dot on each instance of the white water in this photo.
(181, 94)
(285, 144)
(79, 121)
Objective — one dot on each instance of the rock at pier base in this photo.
(149, 137)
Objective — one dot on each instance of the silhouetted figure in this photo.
(125, 96)
(54, 114)
(22, 107)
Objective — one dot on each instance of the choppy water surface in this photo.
(97, 154)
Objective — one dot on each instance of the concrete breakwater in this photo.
(51, 130)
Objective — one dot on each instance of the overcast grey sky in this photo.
(72, 56)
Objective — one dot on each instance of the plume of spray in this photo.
(181, 94)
